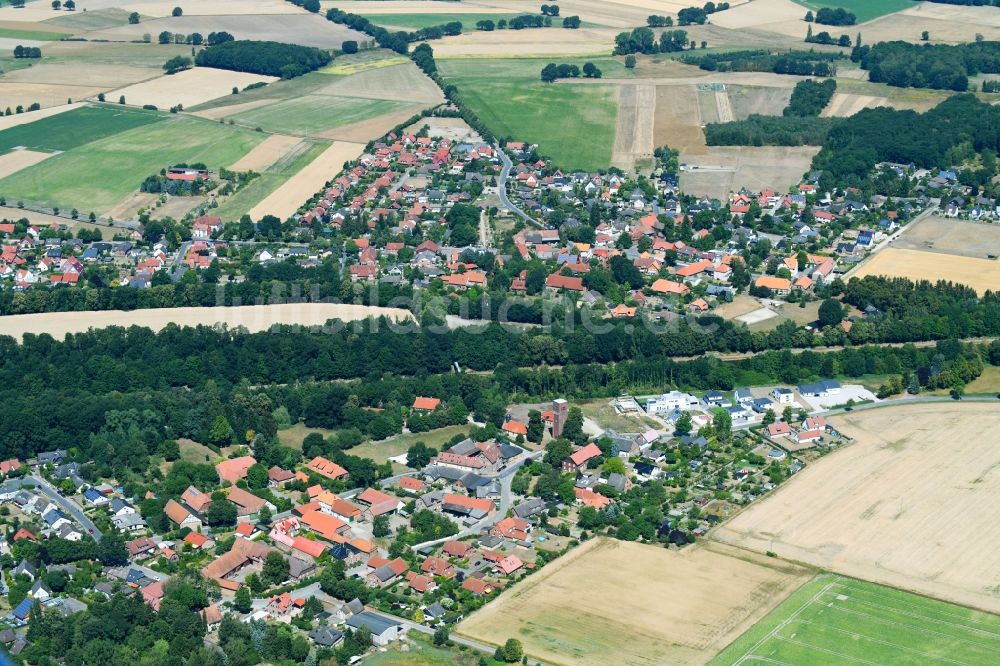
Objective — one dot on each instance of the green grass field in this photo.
(75, 128)
(98, 175)
(315, 113)
(865, 10)
(258, 189)
(381, 451)
(573, 124)
(416, 21)
(41, 36)
(836, 620)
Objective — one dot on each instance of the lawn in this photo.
(865, 10)
(988, 382)
(315, 113)
(259, 188)
(98, 175)
(510, 98)
(383, 450)
(75, 128)
(416, 21)
(295, 435)
(833, 619)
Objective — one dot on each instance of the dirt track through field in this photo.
(285, 200)
(255, 318)
(634, 129)
(912, 503)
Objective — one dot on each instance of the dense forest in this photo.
(122, 400)
(855, 145)
(269, 58)
(802, 63)
(759, 130)
(810, 97)
(937, 66)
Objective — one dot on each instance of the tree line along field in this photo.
(865, 10)
(574, 125)
(833, 619)
(96, 174)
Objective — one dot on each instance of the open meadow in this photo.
(980, 274)
(254, 318)
(833, 619)
(910, 504)
(572, 124)
(617, 602)
(97, 175)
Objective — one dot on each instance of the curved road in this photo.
(502, 187)
(66, 504)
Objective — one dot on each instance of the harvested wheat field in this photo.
(950, 236)
(911, 503)
(25, 93)
(617, 602)
(634, 129)
(285, 200)
(188, 88)
(980, 274)
(678, 118)
(718, 170)
(101, 75)
(455, 129)
(266, 153)
(16, 160)
(945, 23)
(254, 318)
(528, 42)
(780, 16)
(746, 100)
